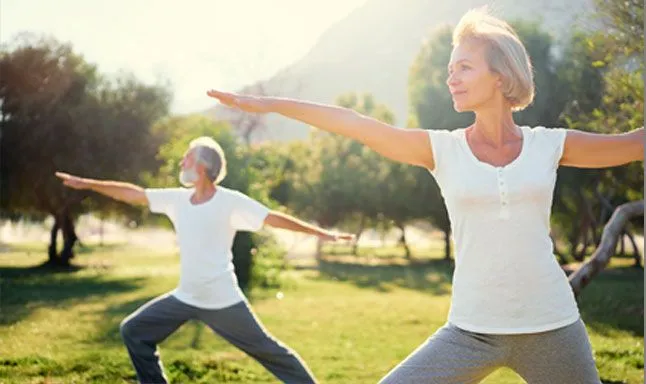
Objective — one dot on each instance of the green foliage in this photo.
(337, 181)
(59, 113)
(431, 106)
(604, 71)
(268, 263)
(333, 179)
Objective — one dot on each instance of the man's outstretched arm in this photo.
(126, 192)
(281, 220)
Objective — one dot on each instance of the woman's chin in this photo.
(458, 107)
(461, 107)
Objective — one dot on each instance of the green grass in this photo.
(351, 321)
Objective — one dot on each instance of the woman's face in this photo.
(471, 82)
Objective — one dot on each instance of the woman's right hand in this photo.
(247, 103)
(408, 146)
(71, 181)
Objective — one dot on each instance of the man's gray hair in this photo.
(209, 153)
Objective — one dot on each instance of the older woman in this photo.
(511, 304)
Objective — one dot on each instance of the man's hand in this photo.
(335, 236)
(118, 190)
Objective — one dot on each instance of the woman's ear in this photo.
(499, 80)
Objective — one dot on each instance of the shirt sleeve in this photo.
(247, 214)
(440, 139)
(554, 143)
(160, 200)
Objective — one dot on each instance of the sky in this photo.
(195, 44)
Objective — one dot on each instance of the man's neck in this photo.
(203, 192)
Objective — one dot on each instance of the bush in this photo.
(258, 261)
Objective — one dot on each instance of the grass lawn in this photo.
(351, 321)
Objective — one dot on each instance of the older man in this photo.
(206, 217)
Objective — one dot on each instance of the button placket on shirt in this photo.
(504, 195)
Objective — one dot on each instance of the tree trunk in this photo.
(636, 253)
(562, 259)
(52, 251)
(402, 240)
(574, 237)
(601, 256)
(69, 239)
(622, 244)
(319, 248)
(627, 231)
(101, 230)
(583, 235)
(595, 236)
(357, 235)
(447, 245)
(605, 211)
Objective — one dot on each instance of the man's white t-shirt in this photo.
(205, 235)
(506, 278)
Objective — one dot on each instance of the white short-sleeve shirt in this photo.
(506, 277)
(204, 234)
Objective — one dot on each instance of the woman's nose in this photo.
(451, 80)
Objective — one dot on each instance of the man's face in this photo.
(188, 174)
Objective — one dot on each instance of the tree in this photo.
(614, 59)
(366, 174)
(334, 180)
(582, 276)
(58, 113)
(432, 108)
(430, 100)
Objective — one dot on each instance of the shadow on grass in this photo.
(25, 289)
(79, 249)
(112, 317)
(432, 276)
(614, 300)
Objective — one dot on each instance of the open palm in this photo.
(254, 104)
(72, 181)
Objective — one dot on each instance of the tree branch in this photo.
(601, 256)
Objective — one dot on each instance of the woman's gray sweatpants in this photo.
(156, 320)
(453, 356)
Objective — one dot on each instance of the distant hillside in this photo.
(372, 49)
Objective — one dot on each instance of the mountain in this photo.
(372, 49)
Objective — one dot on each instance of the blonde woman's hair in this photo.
(210, 154)
(505, 54)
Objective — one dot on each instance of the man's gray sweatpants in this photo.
(455, 356)
(156, 320)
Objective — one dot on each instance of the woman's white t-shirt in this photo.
(205, 235)
(506, 278)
